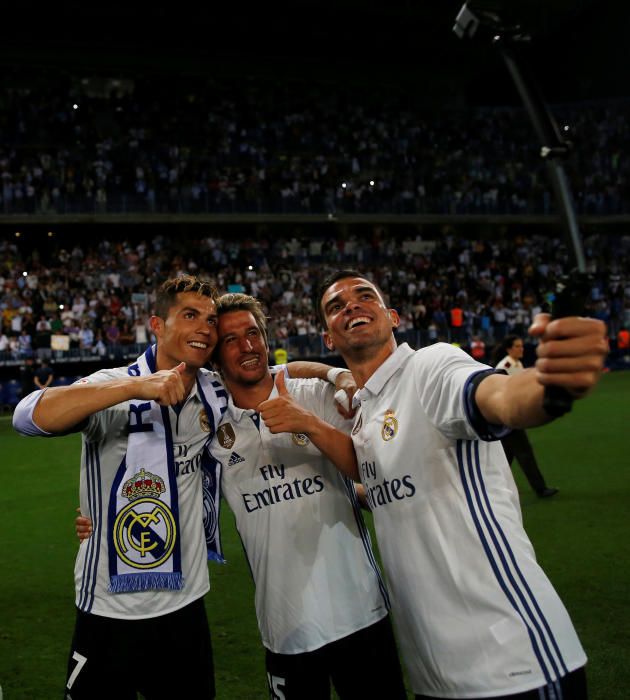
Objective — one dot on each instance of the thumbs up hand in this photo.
(165, 386)
(280, 384)
(283, 414)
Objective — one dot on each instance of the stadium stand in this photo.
(74, 144)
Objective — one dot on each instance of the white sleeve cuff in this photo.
(23, 415)
(334, 372)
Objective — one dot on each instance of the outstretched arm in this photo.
(61, 409)
(571, 355)
(284, 415)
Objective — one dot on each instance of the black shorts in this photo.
(572, 687)
(163, 657)
(363, 665)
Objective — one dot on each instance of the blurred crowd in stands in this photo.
(146, 145)
(94, 298)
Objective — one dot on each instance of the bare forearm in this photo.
(62, 408)
(335, 445)
(304, 369)
(515, 401)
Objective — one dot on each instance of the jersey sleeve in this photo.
(23, 420)
(115, 416)
(23, 416)
(446, 380)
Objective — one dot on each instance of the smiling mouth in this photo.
(357, 321)
(198, 345)
(250, 363)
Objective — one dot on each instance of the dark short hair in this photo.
(501, 348)
(329, 280)
(167, 292)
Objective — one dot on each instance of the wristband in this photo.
(334, 372)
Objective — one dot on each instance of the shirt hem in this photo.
(497, 692)
(320, 645)
(124, 615)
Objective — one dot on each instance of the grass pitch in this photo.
(580, 537)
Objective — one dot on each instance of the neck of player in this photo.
(250, 395)
(363, 362)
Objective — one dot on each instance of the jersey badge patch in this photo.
(235, 458)
(204, 422)
(390, 426)
(226, 435)
(300, 439)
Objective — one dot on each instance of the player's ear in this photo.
(157, 325)
(328, 340)
(394, 318)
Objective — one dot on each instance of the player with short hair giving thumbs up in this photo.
(320, 600)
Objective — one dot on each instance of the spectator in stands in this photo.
(25, 344)
(27, 376)
(478, 349)
(42, 333)
(86, 337)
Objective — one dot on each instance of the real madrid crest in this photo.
(203, 421)
(145, 530)
(300, 439)
(226, 435)
(390, 426)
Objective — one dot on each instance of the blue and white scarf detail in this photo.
(143, 514)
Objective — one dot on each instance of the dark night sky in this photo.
(578, 49)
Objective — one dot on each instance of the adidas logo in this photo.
(235, 459)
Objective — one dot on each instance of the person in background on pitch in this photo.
(320, 600)
(43, 375)
(476, 616)
(508, 356)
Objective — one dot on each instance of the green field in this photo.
(581, 539)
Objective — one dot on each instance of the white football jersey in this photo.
(510, 365)
(299, 520)
(104, 447)
(475, 614)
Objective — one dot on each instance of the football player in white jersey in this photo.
(476, 617)
(113, 651)
(321, 605)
